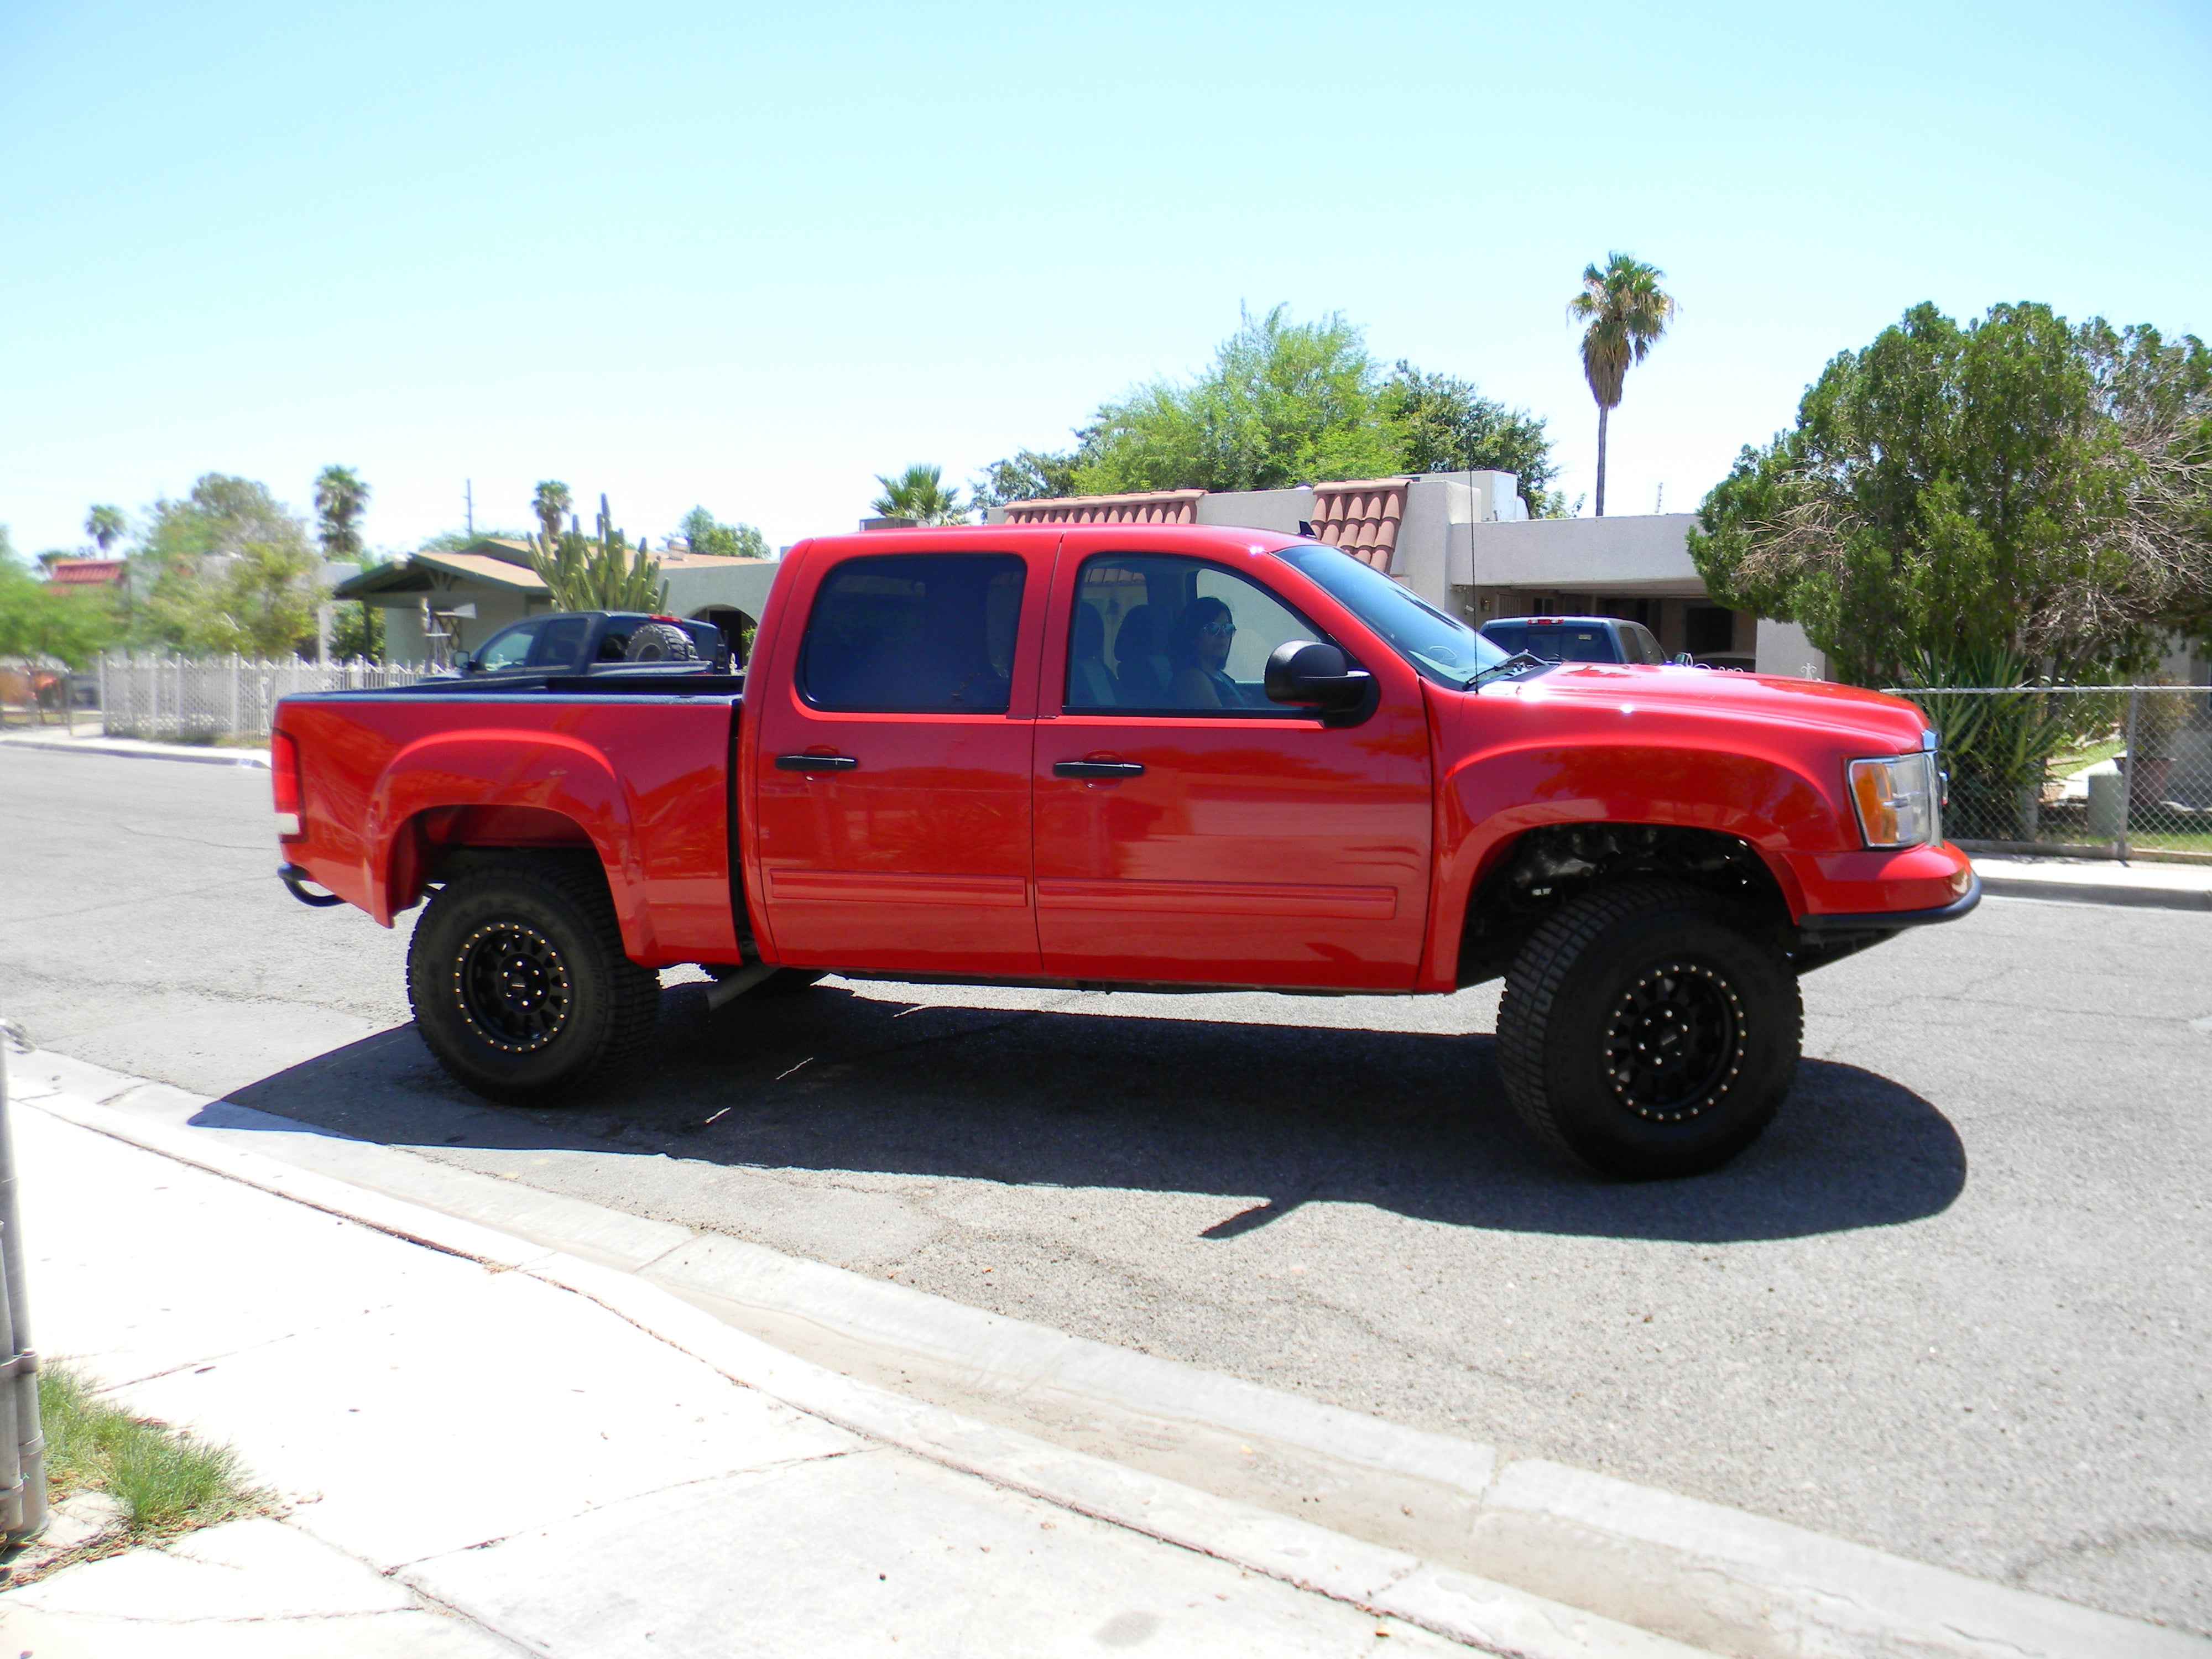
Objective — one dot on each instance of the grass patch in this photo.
(166, 1480)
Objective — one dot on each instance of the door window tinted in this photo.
(914, 633)
(1645, 642)
(510, 647)
(1161, 635)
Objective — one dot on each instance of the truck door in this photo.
(1187, 829)
(891, 772)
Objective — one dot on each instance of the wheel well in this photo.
(1545, 868)
(437, 845)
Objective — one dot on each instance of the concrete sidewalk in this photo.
(90, 739)
(492, 1449)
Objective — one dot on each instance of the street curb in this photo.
(1386, 1582)
(2148, 898)
(1649, 1560)
(257, 757)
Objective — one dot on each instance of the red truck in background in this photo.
(1140, 756)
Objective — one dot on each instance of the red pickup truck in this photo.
(1140, 756)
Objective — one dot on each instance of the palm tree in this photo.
(550, 503)
(1626, 312)
(340, 498)
(105, 525)
(919, 494)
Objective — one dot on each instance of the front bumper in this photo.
(1884, 921)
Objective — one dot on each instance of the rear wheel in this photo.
(518, 983)
(1648, 1031)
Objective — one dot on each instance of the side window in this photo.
(1647, 642)
(509, 647)
(914, 633)
(560, 643)
(1161, 635)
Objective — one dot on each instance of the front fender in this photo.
(1489, 798)
(551, 771)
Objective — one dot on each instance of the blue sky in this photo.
(748, 256)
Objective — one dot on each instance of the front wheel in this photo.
(518, 983)
(1647, 1030)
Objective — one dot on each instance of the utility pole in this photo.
(469, 500)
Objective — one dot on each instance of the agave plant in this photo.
(597, 572)
(1999, 737)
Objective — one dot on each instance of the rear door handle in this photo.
(815, 762)
(1097, 769)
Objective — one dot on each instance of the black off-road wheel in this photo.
(518, 983)
(1648, 1030)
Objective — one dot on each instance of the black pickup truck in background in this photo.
(598, 641)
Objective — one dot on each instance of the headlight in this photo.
(1898, 801)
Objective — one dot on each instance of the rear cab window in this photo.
(914, 633)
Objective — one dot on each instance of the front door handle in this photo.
(815, 762)
(1097, 769)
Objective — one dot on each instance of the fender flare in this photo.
(550, 771)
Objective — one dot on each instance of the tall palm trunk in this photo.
(1602, 412)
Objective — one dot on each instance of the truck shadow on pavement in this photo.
(1413, 1123)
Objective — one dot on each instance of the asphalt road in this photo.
(1953, 1305)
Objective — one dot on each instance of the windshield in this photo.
(1440, 647)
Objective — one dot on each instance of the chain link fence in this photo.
(206, 699)
(2112, 770)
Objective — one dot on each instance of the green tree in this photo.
(1445, 424)
(38, 619)
(105, 525)
(550, 502)
(227, 569)
(730, 541)
(919, 494)
(1626, 312)
(597, 572)
(340, 499)
(1282, 403)
(1029, 475)
(2016, 489)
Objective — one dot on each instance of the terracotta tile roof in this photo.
(86, 573)
(1153, 507)
(1361, 516)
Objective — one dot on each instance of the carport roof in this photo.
(418, 574)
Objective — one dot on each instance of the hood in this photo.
(1868, 719)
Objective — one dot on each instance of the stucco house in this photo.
(437, 604)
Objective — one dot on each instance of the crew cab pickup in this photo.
(1126, 756)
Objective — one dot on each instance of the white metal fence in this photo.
(2110, 769)
(210, 697)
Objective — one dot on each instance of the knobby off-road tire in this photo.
(1648, 1031)
(660, 642)
(518, 983)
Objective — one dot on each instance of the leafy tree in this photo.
(597, 572)
(228, 569)
(1445, 424)
(38, 619)
(550, 502)
(919, 494)
(1627, 311)
(2017, 488)
(105, 525)
(340, 499)
(1030, 475)
(1282, 403)
(730, 541)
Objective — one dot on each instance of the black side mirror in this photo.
(1308, 671)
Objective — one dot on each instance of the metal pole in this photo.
(2128, 794)
(26, 1508)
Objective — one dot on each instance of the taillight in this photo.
(284, 782)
